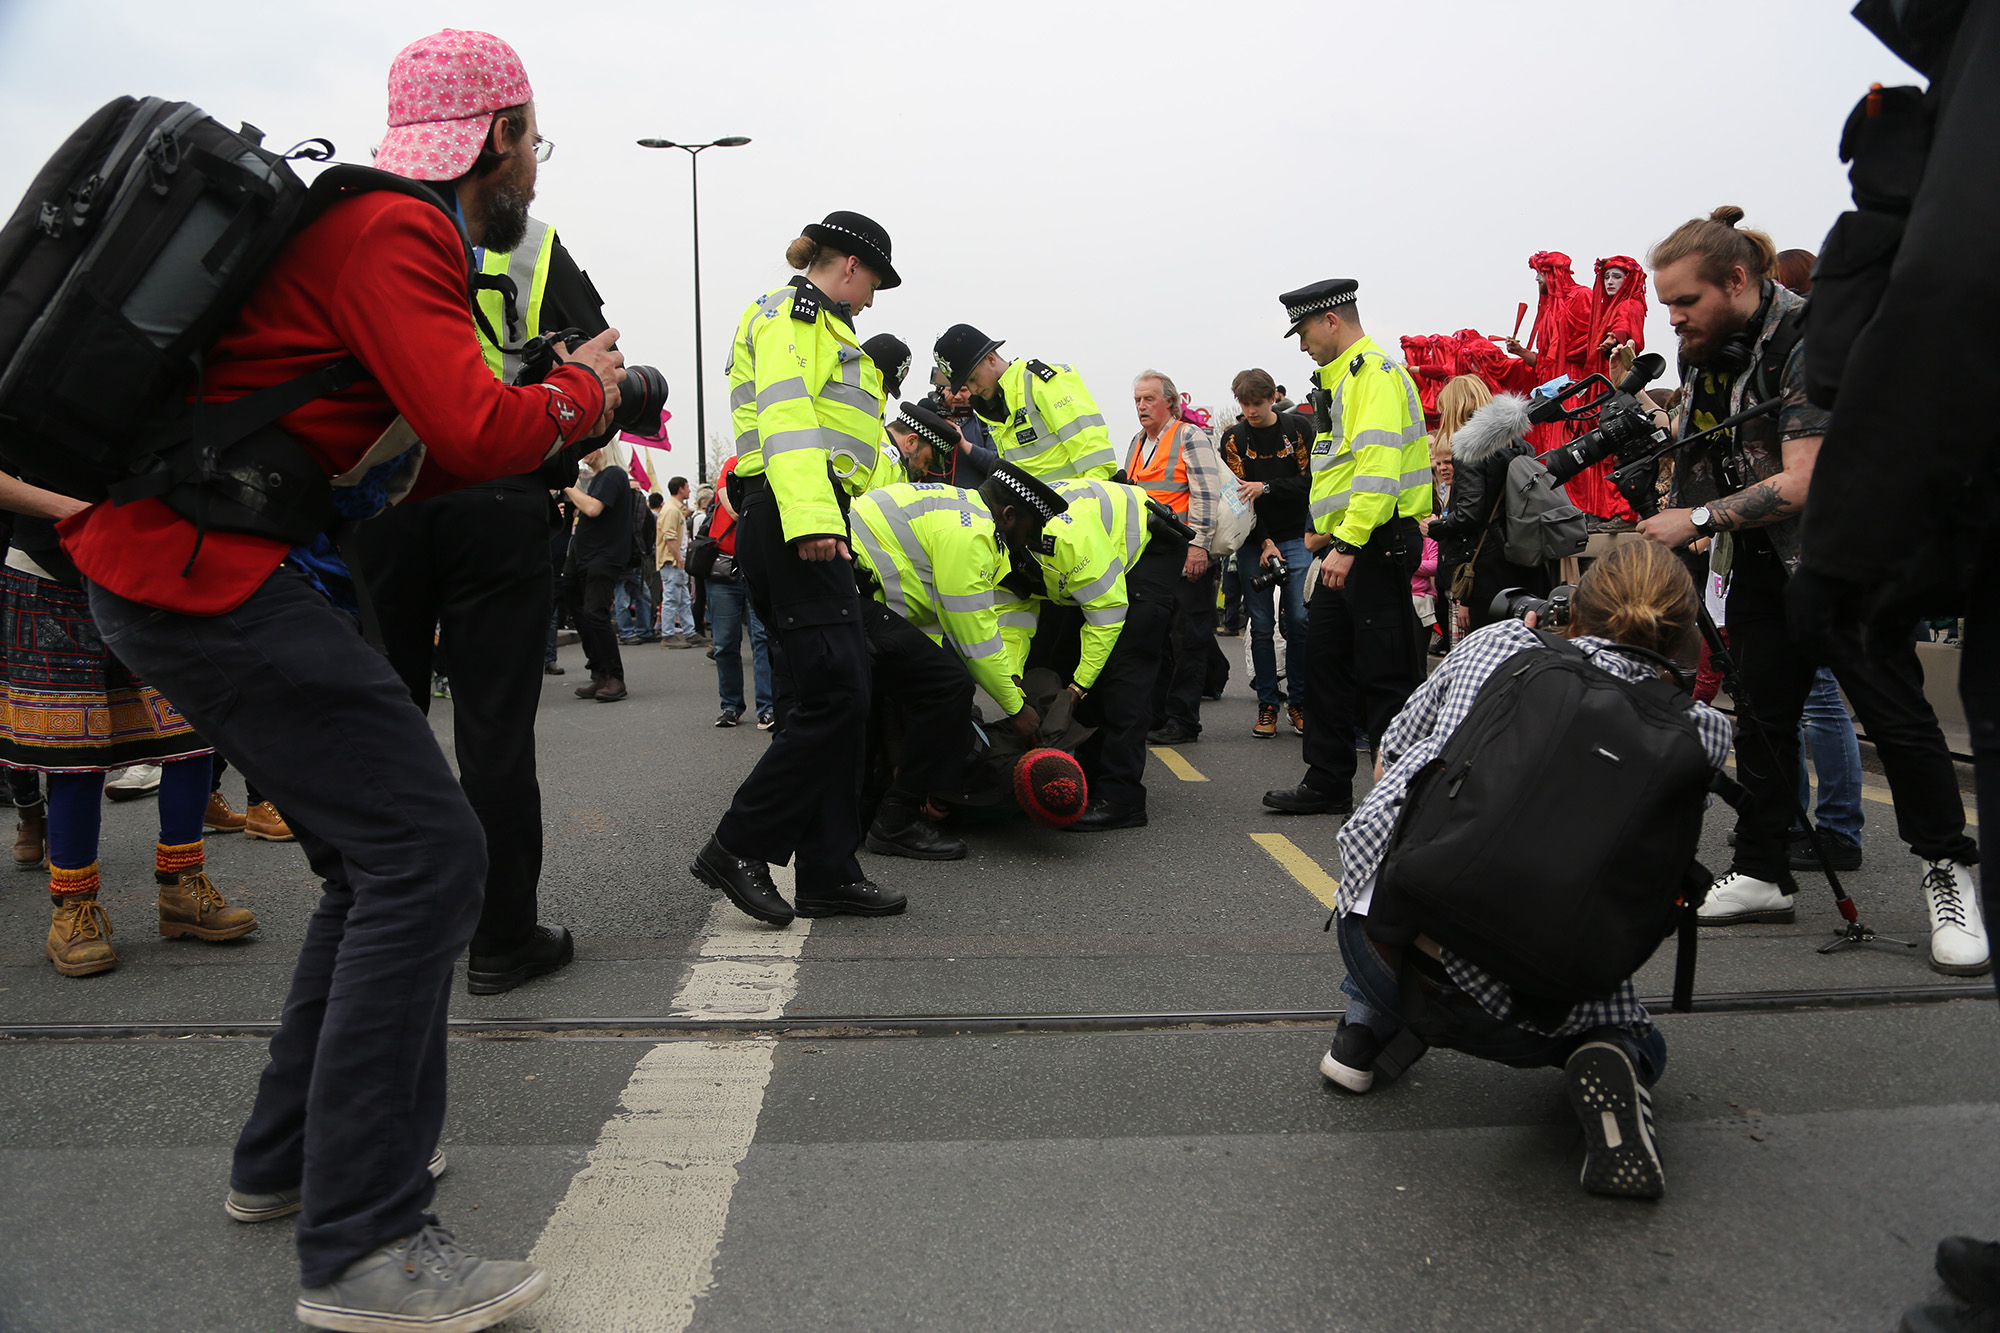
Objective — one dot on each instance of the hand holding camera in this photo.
(602, 357)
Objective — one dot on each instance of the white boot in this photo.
(1736, 898)
(1958, 932)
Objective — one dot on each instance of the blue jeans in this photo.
(1828, 733)
(728, 608)
(629, 606)
(676, 601)
(1375, 1003)
(1263, 653)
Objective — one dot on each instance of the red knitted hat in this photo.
(1049, 785)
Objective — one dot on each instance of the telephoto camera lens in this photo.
(1552, 612)
(641, 399)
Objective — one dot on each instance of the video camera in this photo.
(1624, 430)
(641, 398)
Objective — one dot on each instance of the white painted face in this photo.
(1614, 280)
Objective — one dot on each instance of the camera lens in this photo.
(640, 400)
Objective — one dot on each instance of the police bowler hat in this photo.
(862, 237)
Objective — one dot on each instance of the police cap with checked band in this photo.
(927, 426)
(1308, 301)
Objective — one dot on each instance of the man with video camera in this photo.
(239, 631)
(1740, 345)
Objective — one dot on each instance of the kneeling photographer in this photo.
(1527, 960)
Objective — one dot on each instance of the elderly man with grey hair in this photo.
(1175, 461)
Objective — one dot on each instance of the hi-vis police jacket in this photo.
(1050, 426)
(932, 549)
(1092, 544)
(804, 397)
(1371, 457)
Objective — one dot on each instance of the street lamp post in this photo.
(694, 151)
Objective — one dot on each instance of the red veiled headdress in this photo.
(1623, 315)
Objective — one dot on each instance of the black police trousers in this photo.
(472, 568)
(1364, 655)
(1888, 696)
(1190, 643)
(803, 797)
(919, 720)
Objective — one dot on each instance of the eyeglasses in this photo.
(544, 148)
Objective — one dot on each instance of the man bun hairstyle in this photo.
(1721, 246)
(1640, 593)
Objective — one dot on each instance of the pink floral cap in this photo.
(443, 91)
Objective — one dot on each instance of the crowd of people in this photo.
(890, 561)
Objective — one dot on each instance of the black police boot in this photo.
(898, 831)
(1102, 815)
(861, 898)
(746, 882)
(549, 948)
(1173, 733)
(1306, 799)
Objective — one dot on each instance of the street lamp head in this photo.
(658, 143)
(733, 141)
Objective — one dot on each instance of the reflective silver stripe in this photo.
(1377, 439)
(746, 441)
(785, 441)
(989, 648)
(886, 570)
(1098, 586)
(1332, 504)
(1086, 462)
(1320, 462)
(965, 603)
(1164, 487)
(1377, 485)
(1017, 620)
(1104, 615)
(784, 391)
(850, 367)
(1422, 477)
(1078, 426)
(742, 395)
(850, 395)
(521, 266)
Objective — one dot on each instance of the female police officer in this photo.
(806, 404)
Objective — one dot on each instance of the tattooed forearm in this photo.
(1762, 504)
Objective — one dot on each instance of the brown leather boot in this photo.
(31, 825)
(220, 817)
(612, 690)
(191, 906)
(590, 691)
(80, 937)
(262, 820)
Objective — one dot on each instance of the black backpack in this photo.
(1552, 842)
(130, 254)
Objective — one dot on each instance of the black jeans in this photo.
(1120, 704)
(352, 1101)
(1364, 655)
(591, 589)
(804, 796)
(1190, 642)
(475, 565)
(921, 713)
(1888, 696)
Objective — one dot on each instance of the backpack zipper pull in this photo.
(1451, 792)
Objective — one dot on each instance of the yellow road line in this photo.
(1299, 866)
(1882, 796)
(1180, 767)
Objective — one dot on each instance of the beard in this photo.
(504, 214)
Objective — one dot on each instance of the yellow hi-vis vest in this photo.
(1052, 428)
(805, 400)
(933, 550)
(518, 319)
(1098, 538)
(1374, 460)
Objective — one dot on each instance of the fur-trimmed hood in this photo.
(1492, 429)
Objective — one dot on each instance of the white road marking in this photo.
(632, 1246)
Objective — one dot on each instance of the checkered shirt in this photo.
(1419, 734)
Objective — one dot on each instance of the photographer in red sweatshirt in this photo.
(243, 634)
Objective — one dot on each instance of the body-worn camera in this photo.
(1551, 612)
(641, 398)
(1273, 574)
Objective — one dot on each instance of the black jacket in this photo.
(1480, 453)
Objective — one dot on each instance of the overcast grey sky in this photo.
(1111, 185)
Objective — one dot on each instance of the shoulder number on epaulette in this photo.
(1042, 371)
(805, 307)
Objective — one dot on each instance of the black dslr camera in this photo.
(1273, 574)
(641, 398)
(1552, 612)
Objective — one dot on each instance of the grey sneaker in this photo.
(423, 1281)
(283, 1203)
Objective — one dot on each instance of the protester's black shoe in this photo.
(551, 669)
(745, 882)
(1305, 799)
(1616, 1112)
(861, 898)
(1970, 1268)
(919, 839)
(1172, 734)
(1350, 1061)
(1950, 1319)
(1841, 853)
(1101, 816)
(729, 718)
(550, 948)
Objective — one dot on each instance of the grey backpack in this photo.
(1539, 523)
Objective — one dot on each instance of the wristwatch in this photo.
(1344, 548)
(1701, 518)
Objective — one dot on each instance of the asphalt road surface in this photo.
(1004, 1109)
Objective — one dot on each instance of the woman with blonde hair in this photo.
(1485, 435)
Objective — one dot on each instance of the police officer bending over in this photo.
(933, 558)
(1371, 481)
(1042, 416)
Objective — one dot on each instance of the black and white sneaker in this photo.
(1616, 1112)
(1350, 1061)
(730, 717)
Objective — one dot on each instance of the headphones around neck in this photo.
(1733, 357)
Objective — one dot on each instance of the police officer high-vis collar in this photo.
(862, 237)
(1302, 304)
(810, 300)
(928, 426)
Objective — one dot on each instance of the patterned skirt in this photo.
(66, 704)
